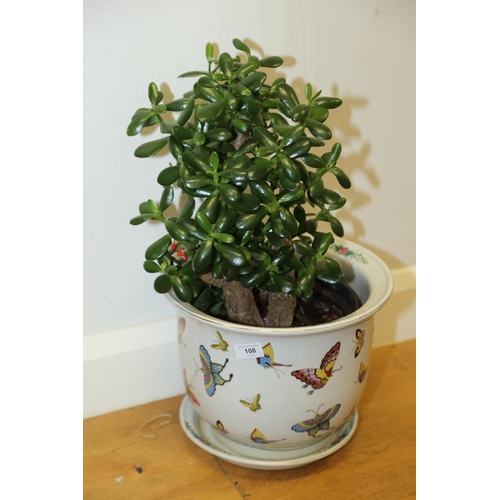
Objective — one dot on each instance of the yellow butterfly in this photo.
(254, 405)
(258, 437)
(363, 369)
(220, 427)
(223, 345)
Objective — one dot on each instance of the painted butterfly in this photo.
(188, 387)
(222, 344)
(360, 340)
(253, 405)
(211, 371)
(220, 427)
(258, 437)
(180, 331)
(317, 378)
(318, 423)
(267, 361)
(363, 369)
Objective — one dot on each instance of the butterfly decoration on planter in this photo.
(363, 369)
(316, 378)
(221, 344)
(181, 326)
(252, 405)
(258, 437)
(267, 360)
(220, 427)
(360, 341)
(318, 423)
(189, 391)
(211, 372)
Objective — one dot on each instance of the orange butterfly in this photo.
(318, 377)
(188, 387)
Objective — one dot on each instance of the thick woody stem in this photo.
(240, 302)
(281, 308)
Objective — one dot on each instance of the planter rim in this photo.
(375, 270)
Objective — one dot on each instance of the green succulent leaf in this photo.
(211, 206)
(187, 210)
(182, 289)
(271, 62)
(322, 242)
(224, 237)
(238, 44)
(158, 248)
(245, 70)
(219, 134)
(167, 198)
(318, 129)
(318, 113)
(210, 112)
(209, 52)
(168, 176)
(255, 278)
(178, 231)
(306, 279)
(151, 148)
(247, 203)
(230, 254)
(284, 256)
(251, 220)
(194, 229)
(178, 104)
(298, 148)
(163, 283)
(150, 266)
(176, 148)
(328, 102)
(317, 188)
(203, 256)
(226, 220)
(287, 96)
(313, 161)
(302, 248)
(341, 176)
(196, 161)
(226, 64)
(260, 169)
(185, 115)
(193, 73)
(139, 219)
(230, 193)
(203, 221)
(152, 93)
(299, 112)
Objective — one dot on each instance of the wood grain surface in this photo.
(378, 463)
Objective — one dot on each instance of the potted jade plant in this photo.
(275, 316)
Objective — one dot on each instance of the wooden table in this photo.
(378, 463)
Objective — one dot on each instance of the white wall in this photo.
(361, 51)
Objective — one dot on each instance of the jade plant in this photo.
(242, 150)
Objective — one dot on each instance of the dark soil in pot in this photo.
(328, 303)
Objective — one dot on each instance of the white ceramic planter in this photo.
(281, 408)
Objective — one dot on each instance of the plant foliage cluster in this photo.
(243, 147)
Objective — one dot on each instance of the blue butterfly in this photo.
(318, 423)
(211, 377)
(267, 360)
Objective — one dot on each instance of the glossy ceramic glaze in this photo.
(289, 388)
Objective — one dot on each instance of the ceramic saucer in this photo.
(206, 437)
